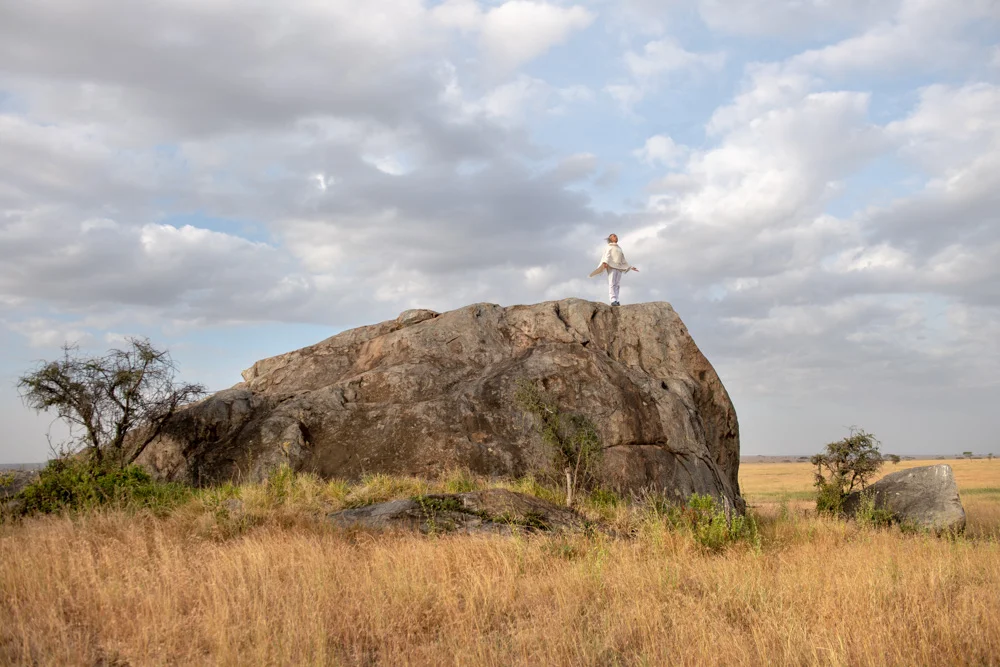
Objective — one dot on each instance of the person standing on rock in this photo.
(613, 262)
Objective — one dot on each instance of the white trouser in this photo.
(614, 283)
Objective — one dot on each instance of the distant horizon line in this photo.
(917, 457)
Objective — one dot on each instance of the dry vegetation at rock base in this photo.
(270, 583)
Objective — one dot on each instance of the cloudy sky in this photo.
(814, 185)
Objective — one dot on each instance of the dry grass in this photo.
(273, 584)
(760, 481)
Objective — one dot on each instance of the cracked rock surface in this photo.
(428, 392)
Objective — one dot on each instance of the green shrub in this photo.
(459, 481)
(829, 498)
(870, 516)
(280, 484)
(602, 498)
(573, 438)
(71, 484)
(706, 521)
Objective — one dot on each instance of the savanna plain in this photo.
(205, 580)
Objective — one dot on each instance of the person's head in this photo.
(612, 238)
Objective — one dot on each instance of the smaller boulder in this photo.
(11, 508)
(12, 482)
(489, 511)
(925, 498)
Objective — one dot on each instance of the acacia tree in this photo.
(104, 399)
(574, 438)
(844, 466)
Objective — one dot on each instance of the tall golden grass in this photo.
(271, 583)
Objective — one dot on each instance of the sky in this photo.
(814, 185)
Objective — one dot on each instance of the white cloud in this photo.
(950, 126)
(926, 35)
(626, 95)
(657, 60)
(766, 87)
(511, 101)
(807, 320)
(49, 333)
(661, 149)
(783, 164)
(666, 55)
(519, 31)
(882, 256)
(464, 15)
(797, 19)
(516, 31)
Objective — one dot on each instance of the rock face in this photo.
(427, 392)
(490, 511)
(925, 498)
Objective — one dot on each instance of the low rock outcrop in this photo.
(427, 392)
(489, 511)
(925, 498)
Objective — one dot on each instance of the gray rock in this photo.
(490, 511)
(428, 392)
(925, 498)
(11, 508)
(13, 481)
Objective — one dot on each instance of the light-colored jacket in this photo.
(614, 258)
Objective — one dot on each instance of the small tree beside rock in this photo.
(106, 399)
(845, 466)
(573, 438)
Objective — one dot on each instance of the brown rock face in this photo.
(428, 392)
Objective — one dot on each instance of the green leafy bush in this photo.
(71, 484)
(574, 439)
(706, 521)
(844, 466)
(829, 498)
(868, 515)
(602, 498)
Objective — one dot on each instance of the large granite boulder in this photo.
(429, 392)
(925, 498)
